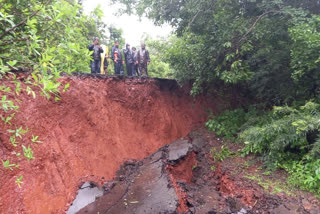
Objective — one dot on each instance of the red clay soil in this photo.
(182, 172)
(97, 125)
(229, 187)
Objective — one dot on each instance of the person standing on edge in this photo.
(96, 58)
(128, 55)
(135, 66)
(116, 57)
(143, 60)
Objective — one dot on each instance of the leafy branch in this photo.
(22, 22)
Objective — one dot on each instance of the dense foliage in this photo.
(289, 138)
(159, 67)
(228, 123)
(269, 47)
(285, 137)
(253, 42)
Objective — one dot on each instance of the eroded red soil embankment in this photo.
(97, 125)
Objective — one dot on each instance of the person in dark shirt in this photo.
(129, 58)
(116, 57)
(96, 57)
(143, 60)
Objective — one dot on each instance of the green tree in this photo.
(239, 42)
(95, 27)
(116, 35)
(159, 67)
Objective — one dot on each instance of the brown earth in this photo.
(98, 125)
(182, 172)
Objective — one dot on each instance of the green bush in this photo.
(285, 137)
(289, 139)
(289, 134)
(305, 173)
(229, 123)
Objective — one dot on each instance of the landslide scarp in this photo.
(98, 124)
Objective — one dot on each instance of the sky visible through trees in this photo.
(134, 29)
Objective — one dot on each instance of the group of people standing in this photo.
(136, 61)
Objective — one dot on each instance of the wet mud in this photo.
(178, 179)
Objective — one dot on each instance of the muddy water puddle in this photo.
(87, 194)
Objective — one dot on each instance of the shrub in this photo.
(285, 137)
(289, 139)
(304, 174)
(228, 123)
(289, 134)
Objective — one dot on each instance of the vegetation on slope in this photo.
(44, 39)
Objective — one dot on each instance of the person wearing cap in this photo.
(116, 57)
(129, 59)
(96, 58)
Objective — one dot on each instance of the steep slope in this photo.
(97, 125)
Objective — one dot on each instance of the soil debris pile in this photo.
(178, 179)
